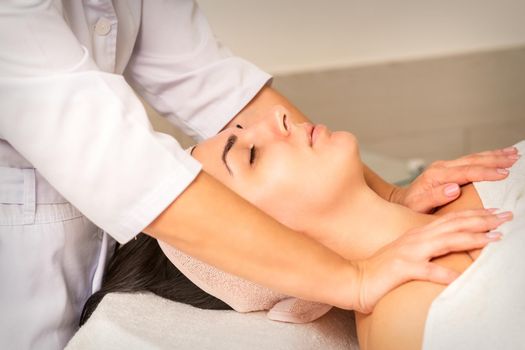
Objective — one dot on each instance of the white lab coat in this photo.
(78, 156)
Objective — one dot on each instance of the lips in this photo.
(318, 130)
(313, 132)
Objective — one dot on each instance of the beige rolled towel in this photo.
(243, 295)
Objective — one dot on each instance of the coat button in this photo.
(103, 26)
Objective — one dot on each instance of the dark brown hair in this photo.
(141, 266)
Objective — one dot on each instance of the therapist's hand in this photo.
(409, 257)
(439, 183)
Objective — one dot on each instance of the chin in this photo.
(346, 143)
(348, 158)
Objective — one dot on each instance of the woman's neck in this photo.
(362, 222)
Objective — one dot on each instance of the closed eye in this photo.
(253, 153)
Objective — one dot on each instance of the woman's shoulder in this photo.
(398, 319)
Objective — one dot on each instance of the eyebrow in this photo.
(227, 147)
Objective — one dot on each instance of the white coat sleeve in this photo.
(84, 130)
(185, 73)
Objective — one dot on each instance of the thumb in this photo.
(444, 194)
(439, 274)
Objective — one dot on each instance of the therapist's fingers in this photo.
(437, 186)
(507, 150)
(473, 223)
(440, 183)
(499, 154)
(454, 233)
(493, 159)
(462, 214)
(409, 256)
(465, 174)
(461, 241)
(500, 151)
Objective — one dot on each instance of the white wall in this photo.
(284, 36)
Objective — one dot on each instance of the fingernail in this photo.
(492, 210)
(509, 150)
(504, 215)
(451, 190)
(494, 235)
(514, 156)
(502, 171)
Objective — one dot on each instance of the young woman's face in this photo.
(288, 170)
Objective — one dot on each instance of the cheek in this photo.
(292, 186)
(298, 185)
(292, 192)
(278, 191)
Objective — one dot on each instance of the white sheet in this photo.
(485, 307)
(146, 321)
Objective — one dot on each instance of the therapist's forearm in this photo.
(213, 224)
(269, 97)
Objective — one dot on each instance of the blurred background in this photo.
(414, 80)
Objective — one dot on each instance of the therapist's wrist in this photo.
(251, 113)
(344, 292)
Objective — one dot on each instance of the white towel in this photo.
(485, 307)
(146, 321)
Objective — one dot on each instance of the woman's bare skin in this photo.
(398, 319)
(312, 180)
